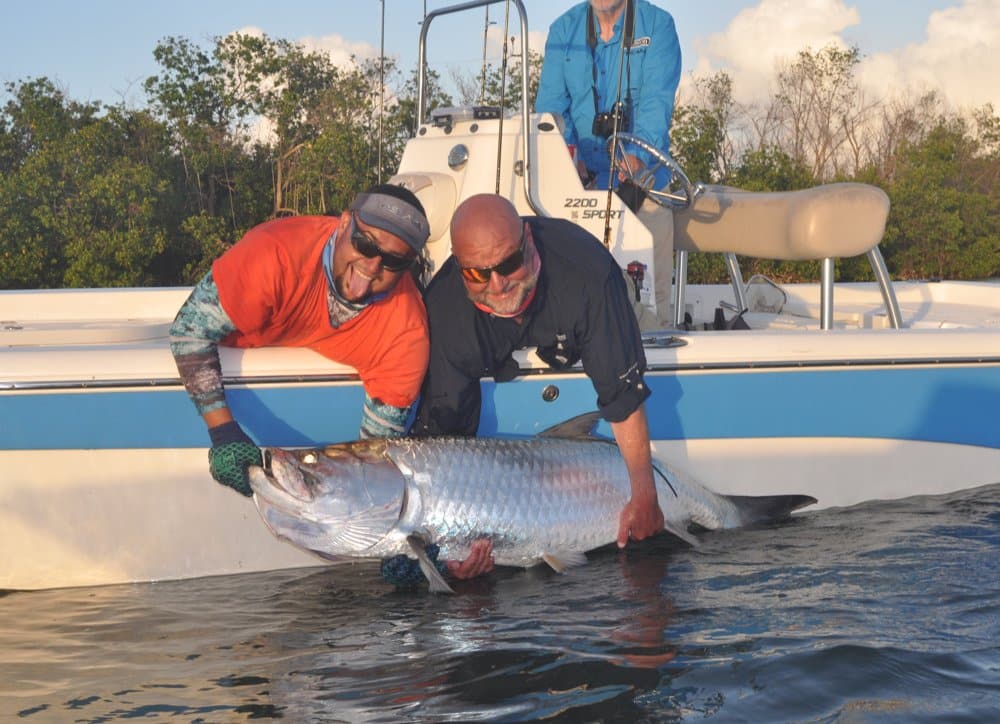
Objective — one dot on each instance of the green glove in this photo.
(231, 454)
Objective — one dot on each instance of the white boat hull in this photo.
(103, 458)
(104, 467)
(95, 517)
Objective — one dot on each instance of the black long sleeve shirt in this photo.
(580, 312)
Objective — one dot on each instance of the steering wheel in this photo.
(677, 193)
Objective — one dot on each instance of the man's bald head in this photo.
(484, 229)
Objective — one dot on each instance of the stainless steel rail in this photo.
(529, 190)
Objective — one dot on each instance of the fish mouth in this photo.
(268, 461)
(279, 479)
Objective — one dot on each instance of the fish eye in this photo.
(309, 458)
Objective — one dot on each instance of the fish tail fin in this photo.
(755, 508)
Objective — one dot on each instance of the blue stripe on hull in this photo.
(294, 415)
(939, 404)
(934, 404)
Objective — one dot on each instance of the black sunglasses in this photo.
(481, 275)
(366, 246)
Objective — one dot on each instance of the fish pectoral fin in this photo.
(560, 561)
(681, 532)
(430, 571)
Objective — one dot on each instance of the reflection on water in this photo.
(882, 611)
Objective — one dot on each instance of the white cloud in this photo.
(494, 42)
(339, 49)
(759, 38)
(958, 58)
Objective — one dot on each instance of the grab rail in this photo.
(529, 191)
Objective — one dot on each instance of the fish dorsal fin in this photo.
(581, 426)
(559, 561)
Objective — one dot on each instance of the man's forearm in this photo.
(642, 516)
(200, 324)
(632, 436)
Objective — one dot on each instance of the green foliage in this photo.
(484, 87)
(772, 169)
(505, 88)
(253, 127)
(944, 221)
(402, 117)
(80, 202)
(698, 135)
(204, 238)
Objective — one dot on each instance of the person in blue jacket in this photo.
(580, 79)
(581, 84)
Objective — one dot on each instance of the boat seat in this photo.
(829, 221)
(822, 223)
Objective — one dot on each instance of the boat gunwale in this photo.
(524, 372)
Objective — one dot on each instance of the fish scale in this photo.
(531, 497)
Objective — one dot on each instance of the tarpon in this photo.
(546, 499)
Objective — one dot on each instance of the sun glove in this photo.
(230, 456)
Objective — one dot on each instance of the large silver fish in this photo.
(548, 498)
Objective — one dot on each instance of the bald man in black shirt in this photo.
(515, 282)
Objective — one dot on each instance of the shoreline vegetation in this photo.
(251, 128)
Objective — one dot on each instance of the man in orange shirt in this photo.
(339, 285)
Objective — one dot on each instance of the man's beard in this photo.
(512, 304)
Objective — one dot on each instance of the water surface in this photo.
(888, 611)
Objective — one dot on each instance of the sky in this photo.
(102, 50)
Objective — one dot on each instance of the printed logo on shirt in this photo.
(640, 43)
